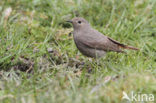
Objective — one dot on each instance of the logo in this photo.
(138, 97)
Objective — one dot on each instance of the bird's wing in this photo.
(96, 40)
(103, 45)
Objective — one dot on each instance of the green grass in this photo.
(30, 74)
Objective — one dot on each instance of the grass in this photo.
(29, 73)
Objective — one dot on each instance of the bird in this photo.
(91, 42)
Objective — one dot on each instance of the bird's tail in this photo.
(128, 47)
(123, 45)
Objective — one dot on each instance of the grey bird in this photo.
(92, 43)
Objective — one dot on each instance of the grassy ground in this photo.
(39, 62)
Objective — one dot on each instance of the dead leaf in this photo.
(7, 12)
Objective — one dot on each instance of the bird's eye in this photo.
(79, 22)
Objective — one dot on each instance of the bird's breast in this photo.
(87, 51)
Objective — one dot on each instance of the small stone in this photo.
(50, 50)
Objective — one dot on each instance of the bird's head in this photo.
(79, 23)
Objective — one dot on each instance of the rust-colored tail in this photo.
(128, 47)
(122, 45)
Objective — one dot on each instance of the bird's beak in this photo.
(70, 21)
